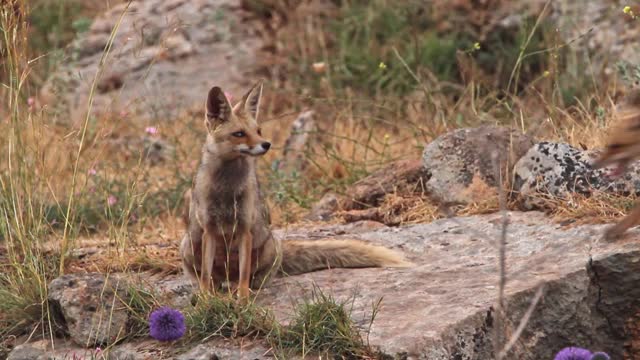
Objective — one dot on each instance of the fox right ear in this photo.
(218, 107)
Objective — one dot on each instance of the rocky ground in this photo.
(442, 308)
(164, 56)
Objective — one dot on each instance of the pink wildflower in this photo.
(152, 130)
(112, 200)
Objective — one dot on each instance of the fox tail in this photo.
(303, 256)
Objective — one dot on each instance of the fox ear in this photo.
(218, 107)
(252, 100)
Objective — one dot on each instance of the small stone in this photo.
(324, 209)
(26, 352)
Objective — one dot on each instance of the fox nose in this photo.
(266, 145)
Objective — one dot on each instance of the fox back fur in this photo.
(623, 147)
(228, 222)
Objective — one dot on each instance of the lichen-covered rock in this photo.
(91, 305)
(453, 160)
(555, 169)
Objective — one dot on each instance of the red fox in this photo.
(623, 147)
(228, 234)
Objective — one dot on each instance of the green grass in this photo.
(140, 302)
(323, 325)
(223, 316)
(25, 187)
(25, 269)
(114, 201)
(320, 325)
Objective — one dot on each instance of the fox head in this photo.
(234, 131)
(623, 146)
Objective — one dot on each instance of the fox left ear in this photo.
(218, 109)
(252, 100)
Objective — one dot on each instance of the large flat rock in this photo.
(443, 307)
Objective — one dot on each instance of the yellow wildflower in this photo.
(627, 10)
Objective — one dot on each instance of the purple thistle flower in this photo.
(573, 353)
(166, 324)
(600, 356)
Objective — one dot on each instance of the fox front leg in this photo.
(246, 245)
(208, 257)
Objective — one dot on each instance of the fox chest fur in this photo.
(226, 193)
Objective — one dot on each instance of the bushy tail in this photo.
(303, 256)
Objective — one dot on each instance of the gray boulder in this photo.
(91, 306)
(453, 160)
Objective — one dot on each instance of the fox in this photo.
(623, 148)
(228, 237)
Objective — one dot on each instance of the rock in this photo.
(363, 199)
(603, 21)
(157, 150)
(178, 47)
(44, 350)
(175, 291)
(324, 209)
(91, 307)
(311, 232)
(154, 149)
(26, 352)
(220, 350)
(293, 153)
(443, 307)
(453, 160)
(158, 72)
(557, 169)
(145, 350)
(406, 176)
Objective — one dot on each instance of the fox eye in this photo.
(238, 134)
(260, 132)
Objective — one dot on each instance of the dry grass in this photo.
(600, 207)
